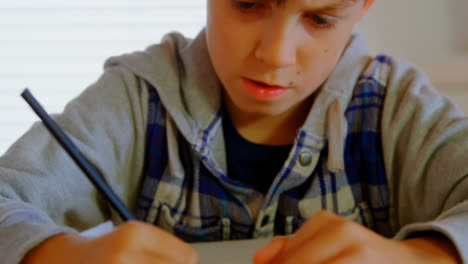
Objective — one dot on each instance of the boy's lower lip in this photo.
(263, 92)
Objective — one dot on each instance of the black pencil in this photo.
(93, 175)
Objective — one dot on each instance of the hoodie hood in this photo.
(181, 71)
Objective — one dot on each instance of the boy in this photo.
(271, 115)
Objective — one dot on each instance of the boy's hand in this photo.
(328, 238)
(131, 242)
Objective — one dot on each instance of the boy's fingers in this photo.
(167, 244)
(319, 248)
(271, 251)
(267, 253)
(155, 242)
(317, 222)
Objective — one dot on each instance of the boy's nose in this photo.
(277, 47)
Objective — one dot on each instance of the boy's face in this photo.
(270, 56)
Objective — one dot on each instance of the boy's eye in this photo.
(246, 5)
(321, 21)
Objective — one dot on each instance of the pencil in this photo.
(93, 175)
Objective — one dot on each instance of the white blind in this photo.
(57, 47)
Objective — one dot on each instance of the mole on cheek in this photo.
(325, 51)
(298, 73)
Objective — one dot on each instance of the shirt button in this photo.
(265, 220)
(305, 158)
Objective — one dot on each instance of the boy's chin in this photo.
(267, 111)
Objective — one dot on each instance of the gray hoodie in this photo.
(43, 193)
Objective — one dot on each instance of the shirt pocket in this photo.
(192, 228)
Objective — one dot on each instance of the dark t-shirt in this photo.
(251, 163)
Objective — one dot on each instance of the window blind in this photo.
(57, 48)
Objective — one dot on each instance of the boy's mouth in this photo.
(267, 85)
(262, 91)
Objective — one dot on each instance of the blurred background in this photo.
(57, 48)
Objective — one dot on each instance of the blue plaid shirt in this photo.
(206, 205)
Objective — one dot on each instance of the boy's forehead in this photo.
(338, 3)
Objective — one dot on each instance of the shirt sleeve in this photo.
(425, 142)
(43, 192)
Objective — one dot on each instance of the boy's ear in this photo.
(367, 5)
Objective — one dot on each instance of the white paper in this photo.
(99, 229)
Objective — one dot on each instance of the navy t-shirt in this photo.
(251, 163)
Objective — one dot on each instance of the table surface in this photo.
(229, 252)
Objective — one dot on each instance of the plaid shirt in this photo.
(206, 205)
